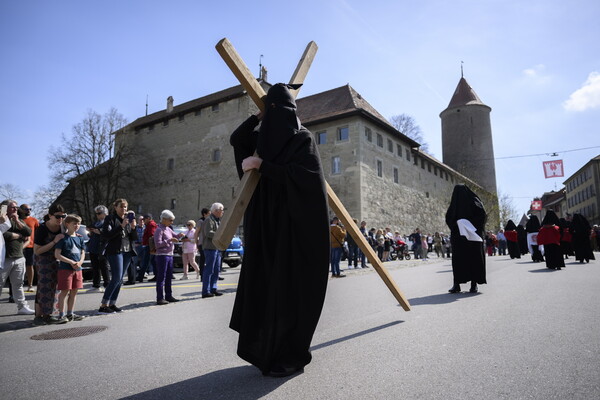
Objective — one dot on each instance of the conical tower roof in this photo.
(464, 95)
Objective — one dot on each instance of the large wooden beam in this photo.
(230, 223)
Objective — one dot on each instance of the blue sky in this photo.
(536, 63)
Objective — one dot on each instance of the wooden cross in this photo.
(233, 217)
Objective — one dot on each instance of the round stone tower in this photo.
(467, 137)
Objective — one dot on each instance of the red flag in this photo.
(536, 205)
(553, 169)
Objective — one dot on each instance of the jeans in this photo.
(164, 274)
(148, 262)
(336, 255)
(502, 247)
(353, 255)
(210, 275)
(118, 266)
(15, 269)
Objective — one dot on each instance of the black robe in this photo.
(581, 230)
(549, 237)
(510, 230)
(468, 257)
(533, 227)
(522, 238)
(284, 276)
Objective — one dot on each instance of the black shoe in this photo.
(152, 279)
(221, 278)
(106, 310)
(162, 302)
(455, 289)
(115, 308)
(171, 299)
(216, 293)
(12, 300)
(473, 289)
(56, 320)
(140, 280)
(341, 276)
(208, 295)
(129, 283)
(280, 371)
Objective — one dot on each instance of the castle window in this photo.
(380, 168)
(380, 140)
(197, 113)
(215, 108)
(428, 167)
(173, 203)
(408, 154)
(151, 127)
(396, 175)
(170, 164)
(343, 134)
(390, 146)
(427, 194)
(398, 150)
(336, 165)
(181, 117)
(369, 135)
(216, 155)
(322, 137)
(423, 163)
(166, 122)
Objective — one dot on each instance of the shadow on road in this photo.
(245, 383)
(354, 335)
(442, 298)
(542, 270)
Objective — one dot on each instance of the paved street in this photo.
(531, 333)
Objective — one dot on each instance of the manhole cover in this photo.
(69, 333)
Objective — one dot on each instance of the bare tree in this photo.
(90, 163)
(43, 197)
(10, 191)
(507, 208)
(408, 126)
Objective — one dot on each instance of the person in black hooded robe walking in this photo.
(512, 240)
(533, 227)
(466, 219)
(522, 238)
(549, 237)
(283, 280)
(566, 238)
(581, 231)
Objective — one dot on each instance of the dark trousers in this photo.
(99, 269)
(164, 274)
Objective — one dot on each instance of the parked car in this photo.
(234, 254)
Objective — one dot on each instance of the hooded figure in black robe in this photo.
(566, 238)
(284, 276)
(512, 239)
(549, 237)
(533, 227)
(522, 238)
(581, 230)
(466, 219)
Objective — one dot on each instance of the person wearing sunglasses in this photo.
(33, 224)
(46, 237)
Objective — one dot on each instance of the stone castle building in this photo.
(378, 173)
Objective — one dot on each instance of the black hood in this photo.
(279, 123)
(533, 225)
(550, 218)
(510, 226)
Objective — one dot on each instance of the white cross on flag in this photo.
(553, 169)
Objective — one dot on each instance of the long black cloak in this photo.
(566, 238)
(468, 257)
(522, 238)
(581, 229)
(533, 227)
(284, 276)
(549, 237)
(512, 239)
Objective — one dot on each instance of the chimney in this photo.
(169, 104)
(263, 73)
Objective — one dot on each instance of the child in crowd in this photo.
(70, 252)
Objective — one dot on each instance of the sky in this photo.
(535, 63)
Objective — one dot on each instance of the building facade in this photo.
(378, 173)
(582, 190)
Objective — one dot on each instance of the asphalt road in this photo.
(531, 333)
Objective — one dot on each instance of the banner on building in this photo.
(536, 205)
(553, 169)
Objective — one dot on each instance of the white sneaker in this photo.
(184, 278)
(25, 311)
(101, 289)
